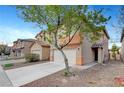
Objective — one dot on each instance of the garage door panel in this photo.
(70, 54)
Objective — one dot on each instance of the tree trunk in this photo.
(65, 60)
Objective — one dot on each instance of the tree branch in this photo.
(71, 37)
(56, 32)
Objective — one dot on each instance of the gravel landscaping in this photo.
(96, 76)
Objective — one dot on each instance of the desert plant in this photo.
(114, 50)
(32, 57)
(8, 65)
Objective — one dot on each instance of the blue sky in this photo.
(112, 27)
(12, 27)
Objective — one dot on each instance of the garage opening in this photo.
(70, 54)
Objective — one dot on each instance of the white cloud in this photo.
(8, 34)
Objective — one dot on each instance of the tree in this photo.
(2, 49)
(114, 50)
(65, 21)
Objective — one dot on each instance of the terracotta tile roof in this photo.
(97, 45)
(26, 40)
(41, 43)
(106, 33)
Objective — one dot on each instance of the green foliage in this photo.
(69, 19)
(32, 57)
(114, 48)
(8, 65)
(68, 74)
(2, 49)
(65, 21)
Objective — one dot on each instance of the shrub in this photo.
(32, 57)
(8, 65)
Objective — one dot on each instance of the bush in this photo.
(32, 57)
(8, 65)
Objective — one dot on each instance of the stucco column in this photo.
(51, 55)
(79, 56)
(99, 55)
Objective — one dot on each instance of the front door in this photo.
(96, 54)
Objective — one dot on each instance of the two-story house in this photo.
(80, 51)
(83, 51)
(21, 47)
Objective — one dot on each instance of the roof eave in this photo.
(121, 38)
(106, 34)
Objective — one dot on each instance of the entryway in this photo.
(95, 50)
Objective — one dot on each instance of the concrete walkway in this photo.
(86, 66)
(12, 61)
(4, 81)
(24, 75)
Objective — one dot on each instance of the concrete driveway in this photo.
(4, 80)
(24, 75)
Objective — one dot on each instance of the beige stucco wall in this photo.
(27, 47)
(100, 55)
(39, 38)
(122, 50)
(87, 50)
(44, 52)
(104, 55)
(36, 48)
(88, 54)
(105, 48)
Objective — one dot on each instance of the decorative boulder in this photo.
(119, 80)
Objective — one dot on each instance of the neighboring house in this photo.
(21, 47)
(81, 51)
(40, 36)
(42, 49)
(122, 46)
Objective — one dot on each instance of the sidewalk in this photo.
(4, 81)
(12, 61)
